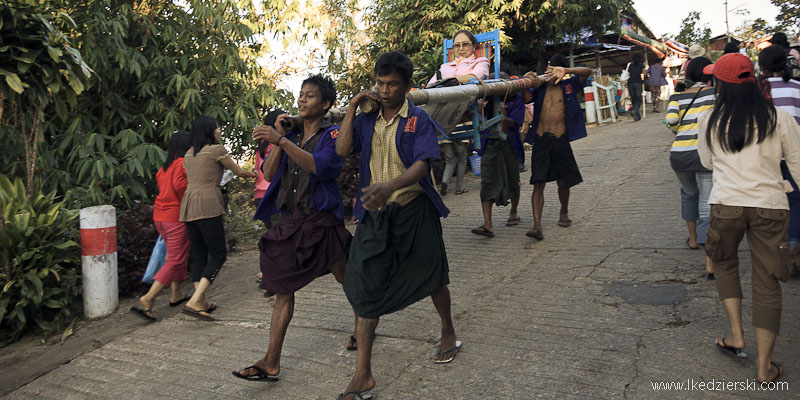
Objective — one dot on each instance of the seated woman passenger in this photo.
(465, 65)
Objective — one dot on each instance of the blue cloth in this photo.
(416, 140)
(575, 122)
(326, 190)
(157, 259)
(794, 206)
(515, 110)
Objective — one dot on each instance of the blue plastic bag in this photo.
(157, 259)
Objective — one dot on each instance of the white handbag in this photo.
(625, 74)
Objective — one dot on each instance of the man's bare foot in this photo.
(729, 341)
(483, 231)
(448, 347)
(535, 233)
(272, 369)
(360, 384)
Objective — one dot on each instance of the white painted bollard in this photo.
(99, 260)
(588, 95)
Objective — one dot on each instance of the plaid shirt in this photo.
(385, 163)
(297, 188)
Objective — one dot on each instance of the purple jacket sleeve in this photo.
(426, 144)
(326, 161)
(358, 122)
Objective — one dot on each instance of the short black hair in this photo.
(773, 59)
(395, 61)
(731, 47)
(780, 39)
(326, 88)
(694, 72)
(559, 60)
(637, 57)
(469, 34)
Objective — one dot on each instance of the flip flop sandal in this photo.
(780, 373)
(690, 246)
(462, 191)
(454, 349)
(733, 351)
(565, 223)
(179, 302)
(260, 375)
(482, 232)
(146, 314)
(198, 314)
(358, 395)
(352, 345)
(211, 308)
(512, 221)
(534, 234)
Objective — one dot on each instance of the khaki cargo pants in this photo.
(766, 235)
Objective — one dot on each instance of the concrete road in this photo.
(602, 309)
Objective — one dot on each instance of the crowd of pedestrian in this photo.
(736, 149)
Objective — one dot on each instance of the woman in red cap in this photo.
(743, 139)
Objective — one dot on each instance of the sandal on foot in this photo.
(455, 349)
(199, 314)
(734, 351)
(565, 223)
(146, 314)
(358, 395)
(710, 276)
(780, 373)
(482, 231)
(211, 308)
(179, 302)
(536, 234)
(260, 375)
(462, 191)
(512, 221)
(690, 246)
(352, 345)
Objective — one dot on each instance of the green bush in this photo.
(40, 261)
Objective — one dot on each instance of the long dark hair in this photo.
(178, 144)
(739, 110)
(202, 132)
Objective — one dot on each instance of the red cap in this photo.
(732, 68)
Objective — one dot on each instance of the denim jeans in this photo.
(695, 190)
(455, 156)
(635, 90)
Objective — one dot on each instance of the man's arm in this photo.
(557, 73)
(344, 142)
(375, 196)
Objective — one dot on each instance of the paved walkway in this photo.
(598, 310)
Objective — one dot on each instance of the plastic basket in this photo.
(475, 163)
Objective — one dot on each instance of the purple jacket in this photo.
(416, 140)
(326, 191)
(576, 125)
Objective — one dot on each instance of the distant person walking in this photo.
(656, 78)
(635, 69)
(171, 180)
(683, 110)
(743, 139)
(202, 209)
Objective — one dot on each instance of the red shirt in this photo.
(171, 186)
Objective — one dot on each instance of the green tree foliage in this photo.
(159, 64)
(753, 30)
(39, 261)
(40, 68)
(417, 28)
(789, 15)
(692, 32)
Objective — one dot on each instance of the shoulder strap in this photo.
(438, 74)
(680, 121)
